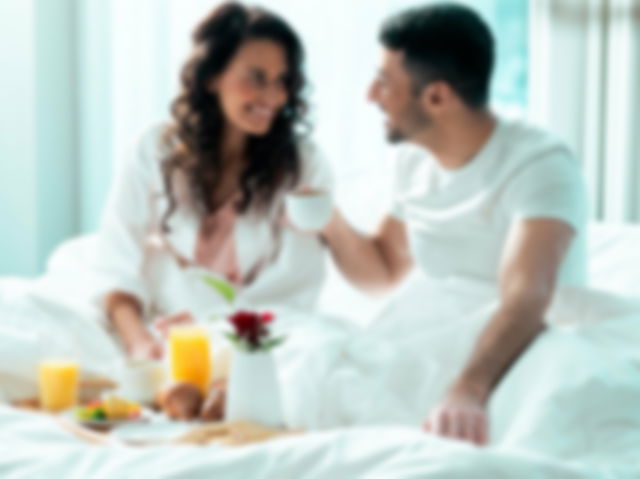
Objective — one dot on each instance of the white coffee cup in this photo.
(140, 380)
(309, 210)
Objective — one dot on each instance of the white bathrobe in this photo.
(135, 256)
(127, 254)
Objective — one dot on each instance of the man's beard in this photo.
(416, 121)
(395, 136)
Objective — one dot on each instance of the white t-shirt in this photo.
(458, 220)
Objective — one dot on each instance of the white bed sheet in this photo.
(568, 409)
(614, 258)
(383, 453)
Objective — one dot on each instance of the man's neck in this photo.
(455, 142)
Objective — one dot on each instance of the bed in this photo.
(570, 414)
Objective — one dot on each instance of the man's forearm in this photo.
(505, 338)
(360, 258)
(531, 262)
(527, 282)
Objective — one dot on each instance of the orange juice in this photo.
(58, 384)
(190, 356)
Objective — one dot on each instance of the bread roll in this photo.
(181, 400)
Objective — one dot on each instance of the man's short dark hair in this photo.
(447, 42)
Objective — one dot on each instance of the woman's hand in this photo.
(165, 323)
(144, 348)
(125, 313)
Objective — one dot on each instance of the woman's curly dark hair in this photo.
(194, 137)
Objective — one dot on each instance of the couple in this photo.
(474, 195)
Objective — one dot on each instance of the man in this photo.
(475, 195)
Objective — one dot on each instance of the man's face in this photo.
(393, 91)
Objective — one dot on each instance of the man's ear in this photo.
(436, 96)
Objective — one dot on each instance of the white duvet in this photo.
(570, 408)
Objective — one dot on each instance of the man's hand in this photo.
(373, 263)
(460, 416)
(527, 282)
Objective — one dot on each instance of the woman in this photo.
(206, 190)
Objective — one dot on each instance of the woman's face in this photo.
(252, 90)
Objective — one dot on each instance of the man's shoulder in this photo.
(529, 141)
(537, 162)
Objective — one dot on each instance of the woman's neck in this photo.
(233, 153)
(234, 144)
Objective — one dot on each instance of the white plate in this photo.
(145, 416)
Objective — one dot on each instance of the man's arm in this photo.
(528, 275)
(372, 263)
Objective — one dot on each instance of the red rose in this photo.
(251, 326)
(267, 317)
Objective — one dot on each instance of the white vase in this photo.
(253, 392)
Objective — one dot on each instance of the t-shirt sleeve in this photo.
(549, 187)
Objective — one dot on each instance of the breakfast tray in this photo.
(232, 434)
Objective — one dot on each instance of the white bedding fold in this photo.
(568, 409)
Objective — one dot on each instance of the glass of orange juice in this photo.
(190, 355)
(58, 384)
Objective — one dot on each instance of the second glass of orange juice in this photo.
(190, 355)
(58, 384)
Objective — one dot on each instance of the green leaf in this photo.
(235, 340)
(272, 343)
(220, 286)
(238, 342)
(98, 415)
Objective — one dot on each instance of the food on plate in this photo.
(214, 404)
(181, 400)
(110, 408)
